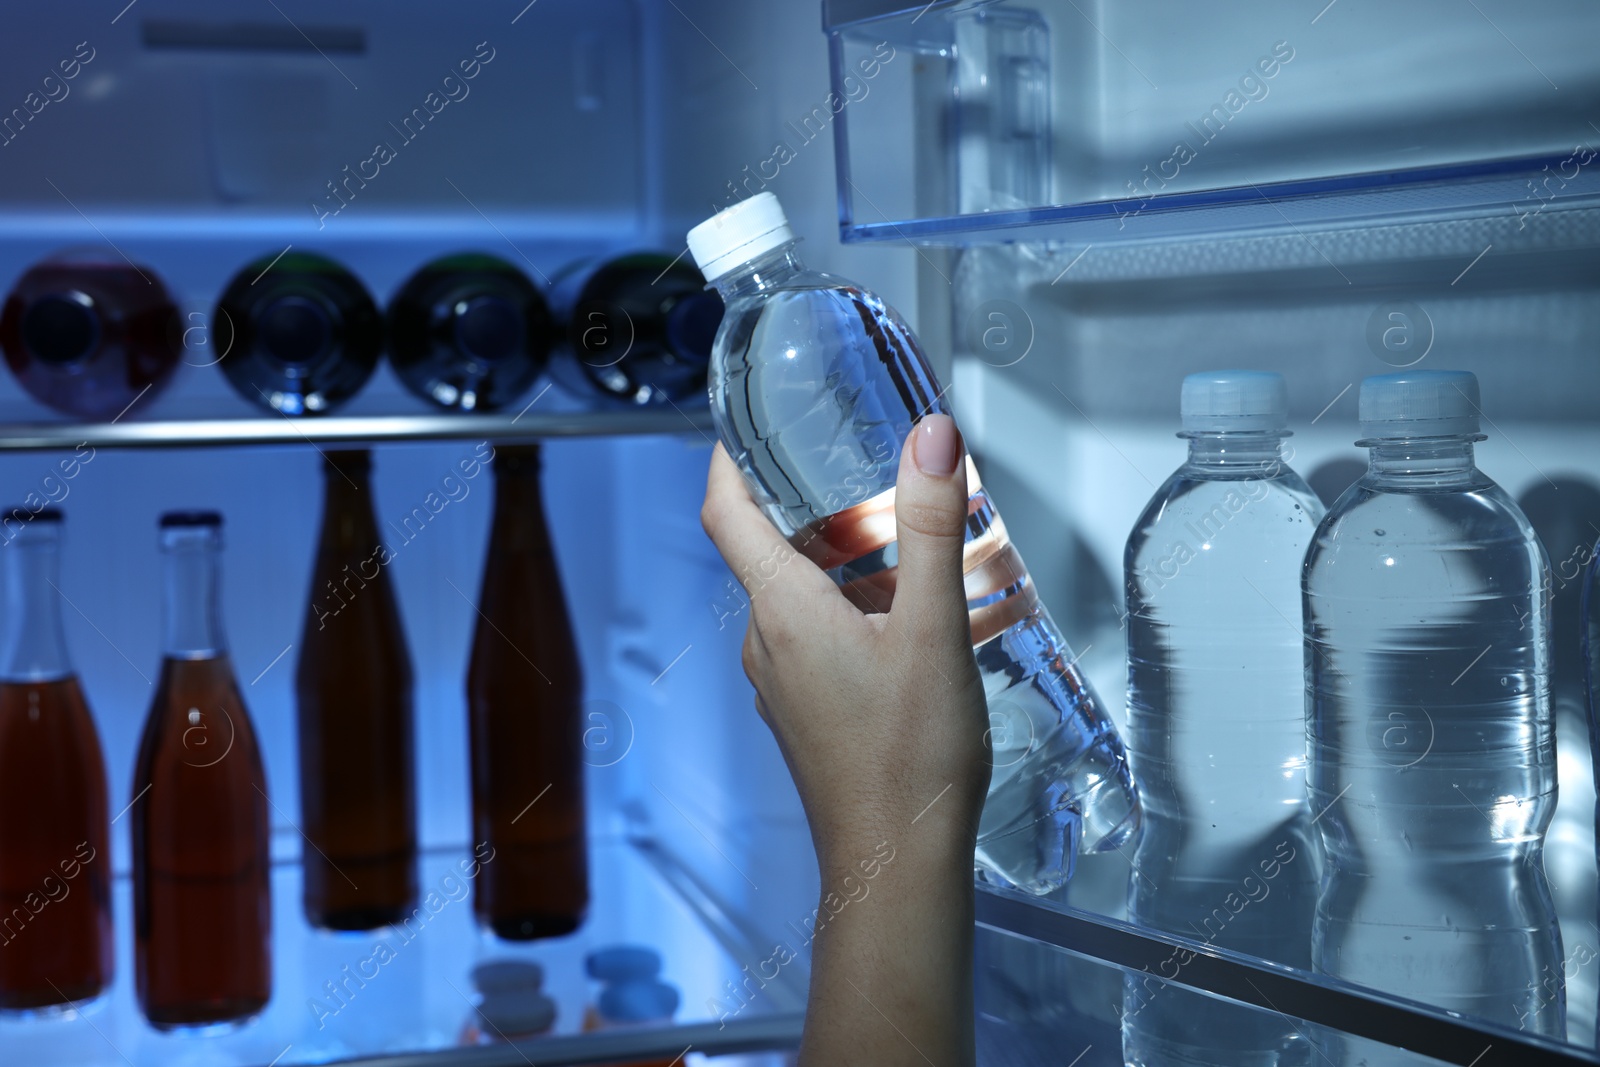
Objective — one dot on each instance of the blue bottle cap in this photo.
(638, 1001)
(516, 1014)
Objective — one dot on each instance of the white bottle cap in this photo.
(1419, 403)
(738, 234)
(1244, 401)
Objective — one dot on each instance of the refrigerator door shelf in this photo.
(1144, 120)
(1057, 977)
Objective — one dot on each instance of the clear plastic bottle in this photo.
(815, 383)
(1432, 742)
(1216, 720)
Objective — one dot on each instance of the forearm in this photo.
(891, 979)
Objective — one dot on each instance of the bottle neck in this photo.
(191, 616)
(347, 513)
(1235, 453)
(765, 272)
(519, 500)
(1422, 462)
(34, 648)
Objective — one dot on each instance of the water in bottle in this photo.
(815, 384)
(1216, 720)
(1432, 742)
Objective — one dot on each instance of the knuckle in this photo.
(750, 657)
(711, 517)
(933, 518)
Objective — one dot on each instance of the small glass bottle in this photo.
(353, 691)
(89, 335)
(299, 334)
(524, 686)
(510, 1005)
(638, 328)
(469, 332)
(202, 898)
(55, 865)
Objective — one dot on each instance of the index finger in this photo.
(752, 547)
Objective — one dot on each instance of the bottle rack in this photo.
(350, 430)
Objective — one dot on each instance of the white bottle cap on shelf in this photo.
(1244, 401)
(1419, 403)
(738, 234)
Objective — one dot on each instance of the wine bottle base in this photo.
(351, 920)
(208, 1018)
(53, 1002)
(532, 927)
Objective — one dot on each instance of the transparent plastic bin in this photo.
(1143, 119)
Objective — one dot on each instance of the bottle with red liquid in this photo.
(88, 335)
(524, 687)
(202, 900)
(353, 691)
(55, 866)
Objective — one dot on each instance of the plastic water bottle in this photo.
(1432, 742)
(1216, 720)
(815, 383)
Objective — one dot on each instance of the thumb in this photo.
(930, 510)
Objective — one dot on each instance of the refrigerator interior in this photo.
(193, 143)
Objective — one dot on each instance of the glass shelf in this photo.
(1017, 981)
(968, 122)
(413, 1008)
(351, 430)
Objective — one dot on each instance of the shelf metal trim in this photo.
(1338, 1005)
(344, 430)
(766, 1033)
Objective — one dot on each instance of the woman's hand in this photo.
(882, 721)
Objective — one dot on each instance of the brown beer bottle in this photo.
(523, 691)
(202, 903)
(354, 692)
(55, 866)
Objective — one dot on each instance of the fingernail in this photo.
(938, 446)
